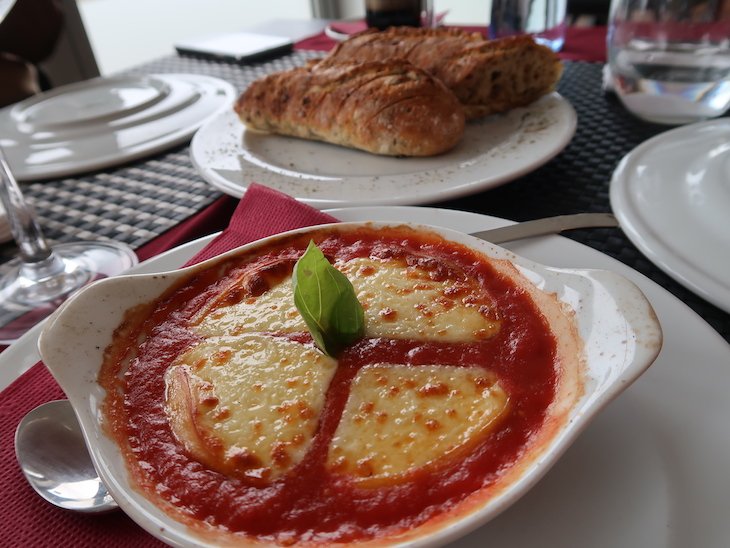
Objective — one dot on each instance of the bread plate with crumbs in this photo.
(493, 151)
(228, 403)
(382, 120)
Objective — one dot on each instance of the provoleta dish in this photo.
(233, 420)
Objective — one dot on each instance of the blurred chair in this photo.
(43, 44)
(73, 59)
(589, 12)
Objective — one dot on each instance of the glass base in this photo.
(30, 292)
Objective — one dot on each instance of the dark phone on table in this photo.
(237, 47)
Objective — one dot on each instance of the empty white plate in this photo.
(103, 122)
(671, 195)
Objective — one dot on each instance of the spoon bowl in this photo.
(52, 454)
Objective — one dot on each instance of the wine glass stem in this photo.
(35, 253)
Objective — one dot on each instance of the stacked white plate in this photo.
(104, 122)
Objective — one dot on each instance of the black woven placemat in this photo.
(137, 202)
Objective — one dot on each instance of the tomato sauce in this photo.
(310, 503)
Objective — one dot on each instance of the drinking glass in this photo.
(546, 20)
(670, 59)
(41, 278)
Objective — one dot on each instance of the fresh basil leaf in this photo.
(326, 300)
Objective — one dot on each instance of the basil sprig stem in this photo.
(327, 302)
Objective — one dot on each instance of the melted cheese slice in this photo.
(272, 311)
(248, 406)
(404, 302)
(400, 302)
(247, 403)
(399, 418)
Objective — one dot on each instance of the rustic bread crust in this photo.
(487, 76)
(391, 108)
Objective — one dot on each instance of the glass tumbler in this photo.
(546, 20)
(669, 60)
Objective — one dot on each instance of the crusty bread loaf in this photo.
(487, 76)
(390, 108)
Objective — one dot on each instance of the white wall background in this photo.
(124, 33)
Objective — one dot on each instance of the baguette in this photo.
(390, 108)
(487, 76)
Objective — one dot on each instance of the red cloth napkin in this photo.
(260, 213)
(29, 521)
(585, 44)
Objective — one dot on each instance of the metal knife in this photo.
(547, 225)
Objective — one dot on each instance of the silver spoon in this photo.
(51, 452)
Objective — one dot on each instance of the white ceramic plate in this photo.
(650, 470)
(671, 195)
(494, 150)
(107, 121)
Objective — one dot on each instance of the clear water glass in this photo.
(546, 20)
(670, 60)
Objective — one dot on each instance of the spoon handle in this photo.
(547, 225)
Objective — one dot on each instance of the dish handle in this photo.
(74, 337)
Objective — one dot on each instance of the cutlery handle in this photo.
(548, 225)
